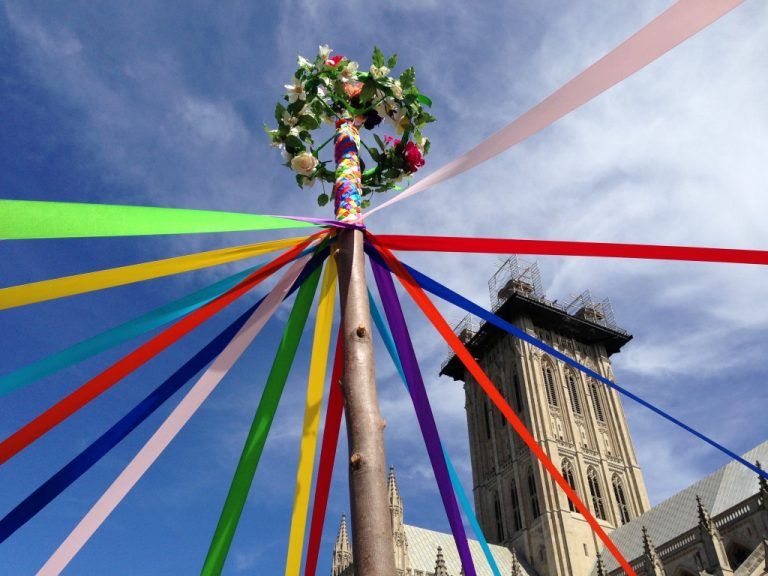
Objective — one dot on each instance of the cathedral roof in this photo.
(718, 492)
(422, 547)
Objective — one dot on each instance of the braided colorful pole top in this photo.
(347, 189)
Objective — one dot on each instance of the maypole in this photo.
(371, 535)
(332, 90)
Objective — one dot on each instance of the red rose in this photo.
(413, 157)
(333, 61)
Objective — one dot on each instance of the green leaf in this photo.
(407, 78)
(309, 122)
(374, 154)
(379, 142)
(369, 89)
(294, 145)
(322, 200)
(294, 107)
(424, 100)
(365, 203)
(392, 62)
(378, 57)
(279, 110)
(300, 180)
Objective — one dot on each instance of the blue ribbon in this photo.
(449, 295)
(81, 463)
(460, 493)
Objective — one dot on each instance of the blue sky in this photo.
(162, 103)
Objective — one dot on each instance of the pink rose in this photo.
(333, 61)
(413, 157)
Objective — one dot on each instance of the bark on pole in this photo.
(372, 548)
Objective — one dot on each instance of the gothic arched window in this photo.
(549, 384)
(621, 498)
(567, 472)
(596, 493)
(518, 393)
(596, 401)
(497, 512)
(517, 520)
(573, 394)
(534, 495)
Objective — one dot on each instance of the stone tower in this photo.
(342, 550)
(579, 423)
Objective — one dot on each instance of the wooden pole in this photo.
(372, 548)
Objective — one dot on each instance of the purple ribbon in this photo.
(424, 414)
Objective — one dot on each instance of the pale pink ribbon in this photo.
(172, 425)
(678, 23)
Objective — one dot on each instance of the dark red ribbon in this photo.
(567, 248)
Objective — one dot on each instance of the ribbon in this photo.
(496, 397)
(327, 458)
(257, 436)
(168, 430)
(317, 367)
(33, 292)
(126, 365)
(673, 26)
(389, 343)
(347, 188)
(423, 410)
(567, 248)
(448, 295)
(117, 335)
(79, 465)
(28, 219)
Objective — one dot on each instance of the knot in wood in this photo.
(360, 331)
(356, 460)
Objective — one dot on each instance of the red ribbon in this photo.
(496, 397)
(567, 248)
(327, 457)
(60, 411)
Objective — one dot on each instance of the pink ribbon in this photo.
(678, 23)
(171, 427)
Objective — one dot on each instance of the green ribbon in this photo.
(27, 219)
(257, 436)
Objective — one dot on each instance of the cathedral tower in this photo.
(579, 423)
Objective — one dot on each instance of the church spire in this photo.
(440, 568)
(705, 520)
(714, 549)
(394, 493)
(651, 560)
(342, 550)
(600, 566)
(516, 571)
(762, 480)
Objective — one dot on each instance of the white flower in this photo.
(294, 131)
(349, 72)
(324, 51)
(397, 89)
(421, 141)
(321, 91)
(304, 164)
(295, 91)
(289, 120)
(379, 71)
(303, 62)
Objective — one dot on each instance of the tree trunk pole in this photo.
(372, 548)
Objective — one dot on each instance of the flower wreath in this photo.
(332, 89)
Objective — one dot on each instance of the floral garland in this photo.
(332, 88)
